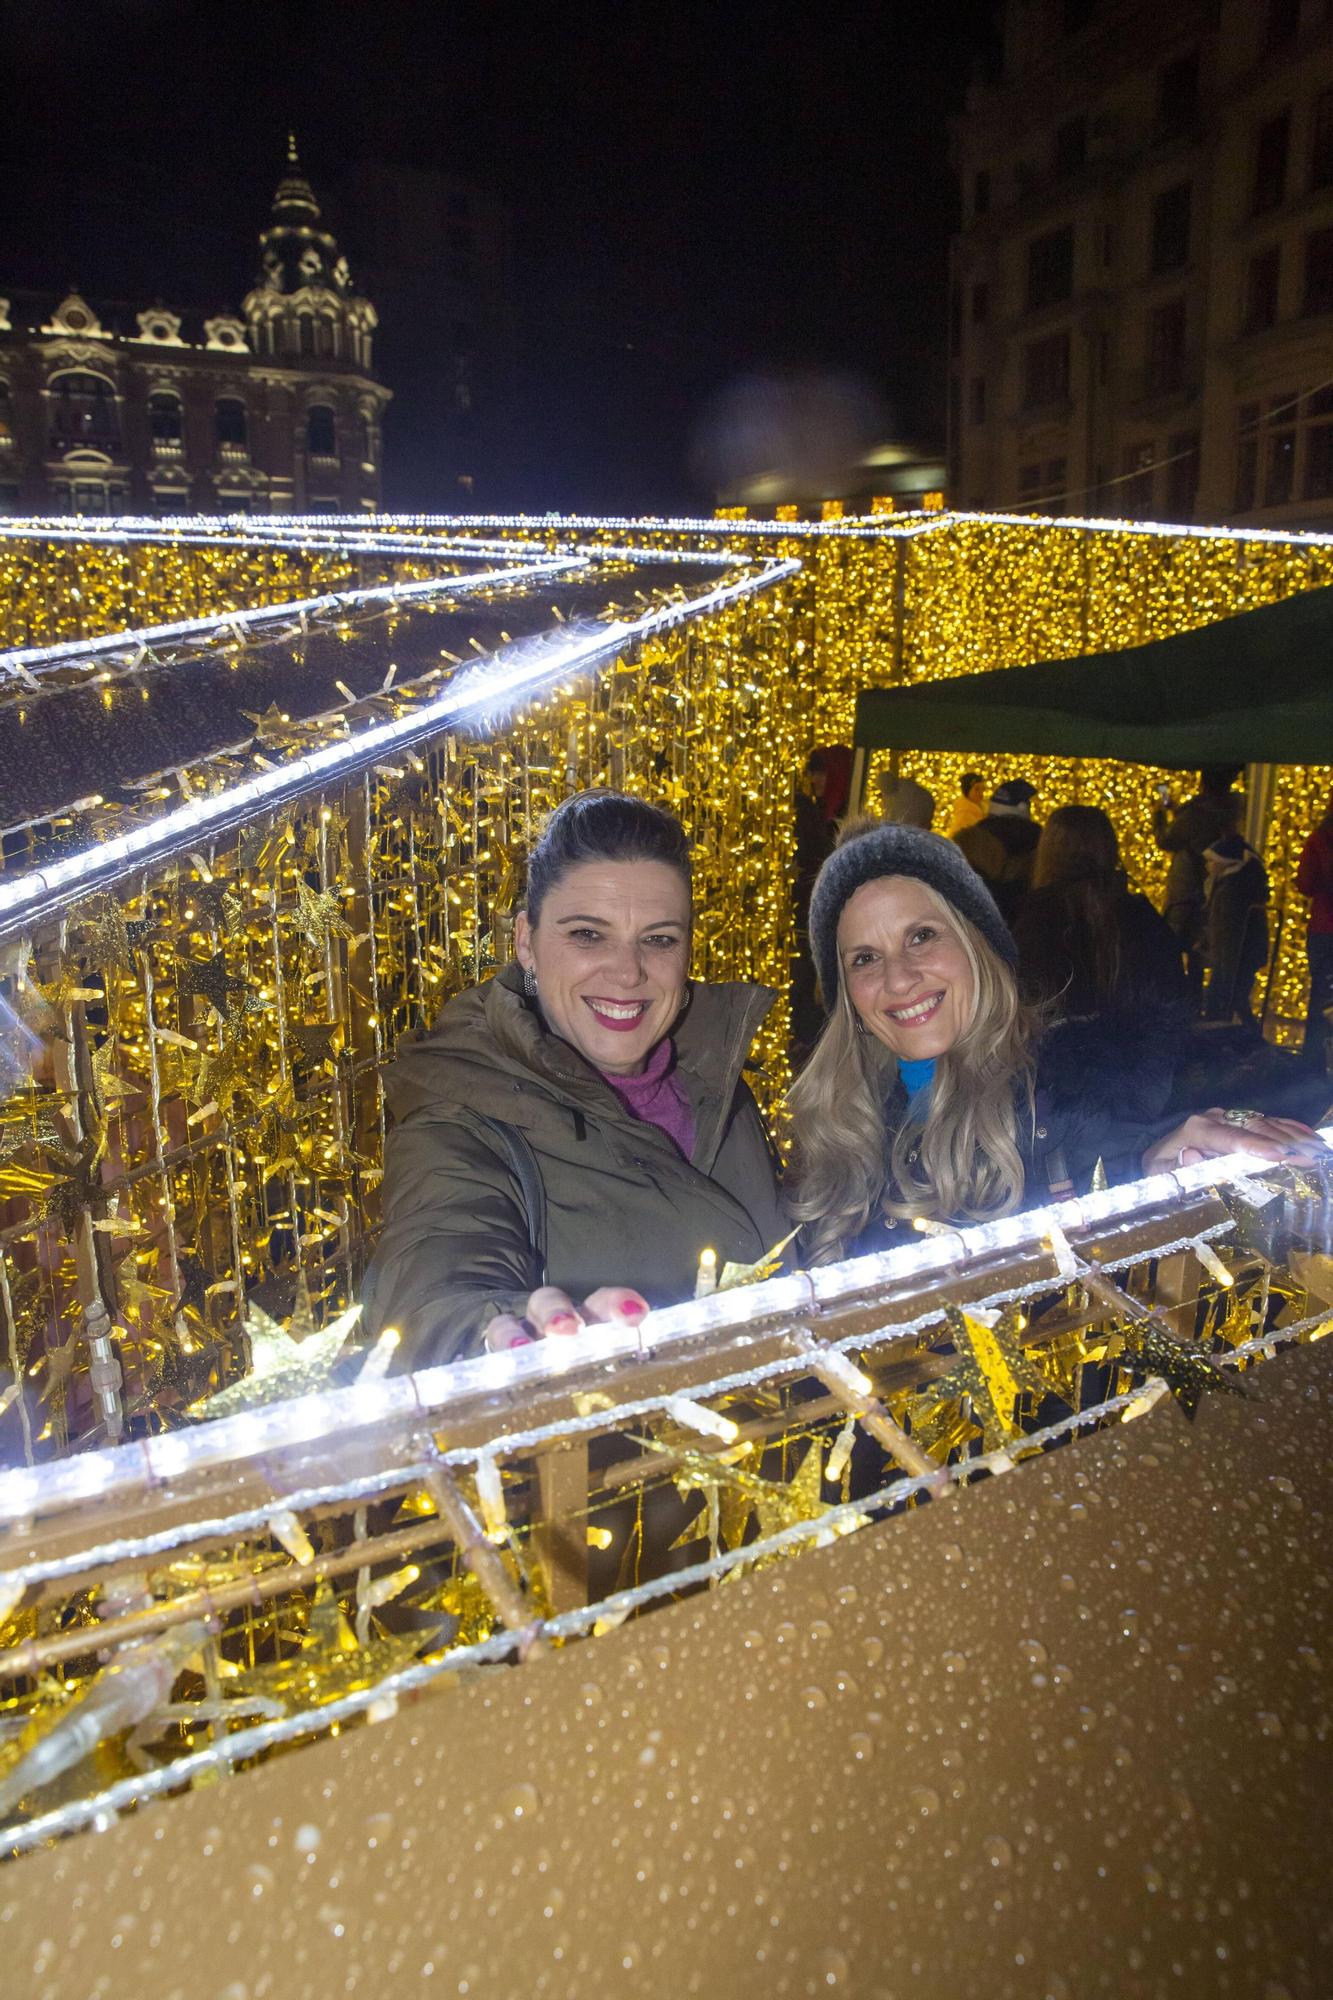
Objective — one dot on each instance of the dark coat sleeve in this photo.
(454, 1250)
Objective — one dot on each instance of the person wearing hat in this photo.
(1002, 846)
(1235, 927)
(925, 1097)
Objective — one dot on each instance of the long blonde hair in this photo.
(968, 1165)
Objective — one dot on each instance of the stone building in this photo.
(1141, 310)
(109, 410)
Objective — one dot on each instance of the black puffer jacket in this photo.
(1077, 1121)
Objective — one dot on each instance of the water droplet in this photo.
(833, 1968)
(518, 1803)
(862, 1746)
(306, 1840)
(258, 1878)
(954, 1663)
(814, 1697)
(1033, 1652)
(846, 1593)
(922, 1801)
(821, 1629)
(1269, 1724)
(950, 1552)
(872, 1650)
(997, 1850)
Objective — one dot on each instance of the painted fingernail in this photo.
(562, 1323)
(521, 1340)
(632, 1307)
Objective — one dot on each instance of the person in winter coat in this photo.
(819, 799)
(1103, 967)
(969, 808)
(906, 802)
(1002, 846)
(1236, 927)
(1314, 878)
(925, 1097)
(1184, 833)
(573, 1133)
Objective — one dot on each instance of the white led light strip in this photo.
(869, 526)
(510, 672)
(28, 1490)
(26, 661)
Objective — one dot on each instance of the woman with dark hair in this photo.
(579, 1119)
(926, 1096)
(1104, 968)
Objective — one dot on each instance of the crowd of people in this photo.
(982, 1022)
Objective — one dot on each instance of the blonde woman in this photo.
(924, 1096)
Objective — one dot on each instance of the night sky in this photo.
(700, 194)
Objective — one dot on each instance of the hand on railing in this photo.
(552, 1315)
(1206, 1134)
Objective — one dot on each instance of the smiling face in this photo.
(905, 968)
(610, 951)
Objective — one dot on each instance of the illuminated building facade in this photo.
(272, 410)
(1141, 309)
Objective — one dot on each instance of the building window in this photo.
(976, 400)
(1318, 481)
(83, 411)
(229, 425)
(1247, 457)
(1166, 348)
(1261, 282)
(1046, 371)
(1321, 143)
(1280, 451)
(320, 433)
(1319, 272)
(1136, 500)
(1283, 23)
(1182, 475)
(981, 191)
(1270, 163)
(1178, 93)
(980, 304)
(1171, 229)
(305, 334)
(164, 417)
(1050, 268)
(1071, 146)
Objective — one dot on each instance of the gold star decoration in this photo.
(1189, 1373)
(281, 1366)
(318, 916)
(329, 1663)
(106, 937)
(313, 1041)
(271, 726)
(990, 1371)
(141, 931)
(30, 1118)
(739, 1493)
(215, 903)
(75, 1192)
(209, 979)
(219, 1072)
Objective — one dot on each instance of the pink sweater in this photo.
(657, 1097)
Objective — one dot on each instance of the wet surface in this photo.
(1067, 1735)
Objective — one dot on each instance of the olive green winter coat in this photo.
(622, 1205)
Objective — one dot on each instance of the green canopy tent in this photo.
(1253, 689)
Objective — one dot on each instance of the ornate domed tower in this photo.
(304, 306)
(312, 333)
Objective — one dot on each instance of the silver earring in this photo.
(529, 982)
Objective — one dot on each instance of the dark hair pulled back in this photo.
(603, 826)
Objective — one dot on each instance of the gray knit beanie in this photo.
(888, 849)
